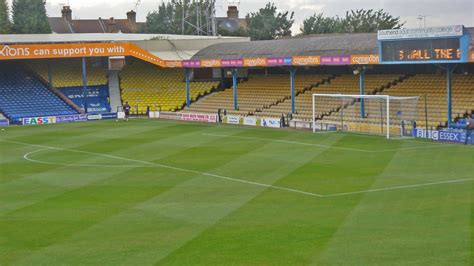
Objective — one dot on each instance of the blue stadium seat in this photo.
(22, 95)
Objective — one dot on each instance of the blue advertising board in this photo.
(4, 123)
(104, 116)
(454, 136)
(71, 118)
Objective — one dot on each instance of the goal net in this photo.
(386, 115)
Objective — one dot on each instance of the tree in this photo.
(361, 20)
(4, 18)
(268, 24)
(355, 21)
(241, 32)
(318, 24)
(29, 17)
(168, 19)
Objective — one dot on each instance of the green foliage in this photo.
(268, 24)
(4, 18)
(318, 24)
(355, 21)
(241, 32)
(168, 19)
(29, 17)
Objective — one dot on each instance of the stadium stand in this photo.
(22, 95)
(67, 78)
(344, 84)
(258, 93)
(144, 85)
(68, 72)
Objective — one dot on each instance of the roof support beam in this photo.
(449, 86)
(187, 74)
(84, 84)
(234, 85)
(362, 91)
(292, 88)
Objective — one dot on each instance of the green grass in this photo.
(156, 192)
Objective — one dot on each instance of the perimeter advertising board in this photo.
(250, 121)
(271, 122)
(45, 120)
(207, 118)
(42, 120)
(4, 123)
(455, 136)
(233, 119)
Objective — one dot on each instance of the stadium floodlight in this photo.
(373, 114)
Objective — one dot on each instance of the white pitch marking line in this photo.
(417, 148)
(400, 187)
(174, 168)
(327, 146)
(288, 142)
(27, 157)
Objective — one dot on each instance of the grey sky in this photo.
(439, 12)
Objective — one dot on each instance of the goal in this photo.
(391, 116)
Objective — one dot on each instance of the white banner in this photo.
(199, 117)
(233, 119)
(121, 115)
(430, 32)
(250, 121)
(94, 117)
(271, 122)
(153, 114)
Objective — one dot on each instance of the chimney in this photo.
(67, 13)
(112, 25)
(233, 12)
(132, 16)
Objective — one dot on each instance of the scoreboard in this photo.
(422, 50)
(438, 44)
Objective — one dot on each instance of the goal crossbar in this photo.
(387, 98)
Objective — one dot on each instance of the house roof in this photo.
(325, 44)
(321, 44)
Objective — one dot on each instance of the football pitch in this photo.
(159, 192)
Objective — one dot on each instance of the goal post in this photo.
(391, 116)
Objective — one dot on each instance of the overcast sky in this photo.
(438, 12)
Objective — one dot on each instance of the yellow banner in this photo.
(173, 63)
(211, 63)
(255, 62)
(306, 60)
(365, 59)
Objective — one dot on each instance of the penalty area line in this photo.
(328, 146)
(288, 142)
(400, 187)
